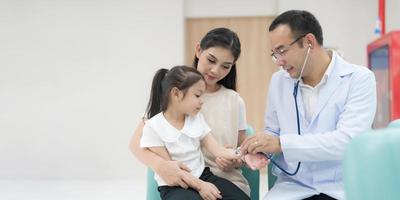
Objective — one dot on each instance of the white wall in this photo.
(75, 75)
(229, 8)
(347, 25)
(392, 15)
(74, 80)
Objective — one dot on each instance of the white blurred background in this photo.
(75, 77)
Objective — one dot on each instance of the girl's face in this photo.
(214, 63)
(190, 103)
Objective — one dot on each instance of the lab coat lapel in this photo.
(326, 93)
(340, 69)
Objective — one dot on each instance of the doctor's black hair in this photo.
(225, 38)
(300, 22)
(181, 77)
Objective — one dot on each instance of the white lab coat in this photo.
(346, 107)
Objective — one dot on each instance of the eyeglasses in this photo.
(278, 54)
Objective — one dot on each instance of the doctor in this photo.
(336, 101)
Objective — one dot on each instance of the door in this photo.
(254, 67)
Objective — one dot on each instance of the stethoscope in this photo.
(295, 89)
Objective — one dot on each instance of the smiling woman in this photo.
(254, 68)
(219, 62)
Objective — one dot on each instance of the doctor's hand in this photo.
(261, 142)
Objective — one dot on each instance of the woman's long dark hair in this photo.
(225, 38)
(181, 77)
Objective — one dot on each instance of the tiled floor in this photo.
(82, 189)
(73, 190)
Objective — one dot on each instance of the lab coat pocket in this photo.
(332, 112)
(339, 174)
(337, 104)
(325, 171)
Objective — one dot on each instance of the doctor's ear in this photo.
(310, 40)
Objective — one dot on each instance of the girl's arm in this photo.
(229, 165)
(212, 146)
(172, 172)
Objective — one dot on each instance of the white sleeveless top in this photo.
(225, 113)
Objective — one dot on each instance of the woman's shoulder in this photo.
(229, 92)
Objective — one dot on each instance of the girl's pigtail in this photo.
(156, 94)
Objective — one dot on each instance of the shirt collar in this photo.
(331, 64)
(168, 133)
(328, 70)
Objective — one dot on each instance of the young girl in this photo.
(176, 130)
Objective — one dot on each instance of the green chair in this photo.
(152, 192)
(253, 177)
(372, 165)
(394, 124)
(271, 178)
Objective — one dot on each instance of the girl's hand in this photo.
(228, 165)
(209, 191)
(229, 153)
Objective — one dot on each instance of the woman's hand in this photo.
(209, 191)
(174, 173)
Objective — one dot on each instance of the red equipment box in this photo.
(384, 61)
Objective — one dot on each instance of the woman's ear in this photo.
(198, 50)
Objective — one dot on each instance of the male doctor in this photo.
(336, 102)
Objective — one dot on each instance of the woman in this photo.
(223, 109)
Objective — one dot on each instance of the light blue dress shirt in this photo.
(346, 107)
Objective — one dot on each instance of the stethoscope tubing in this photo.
(270, 156)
